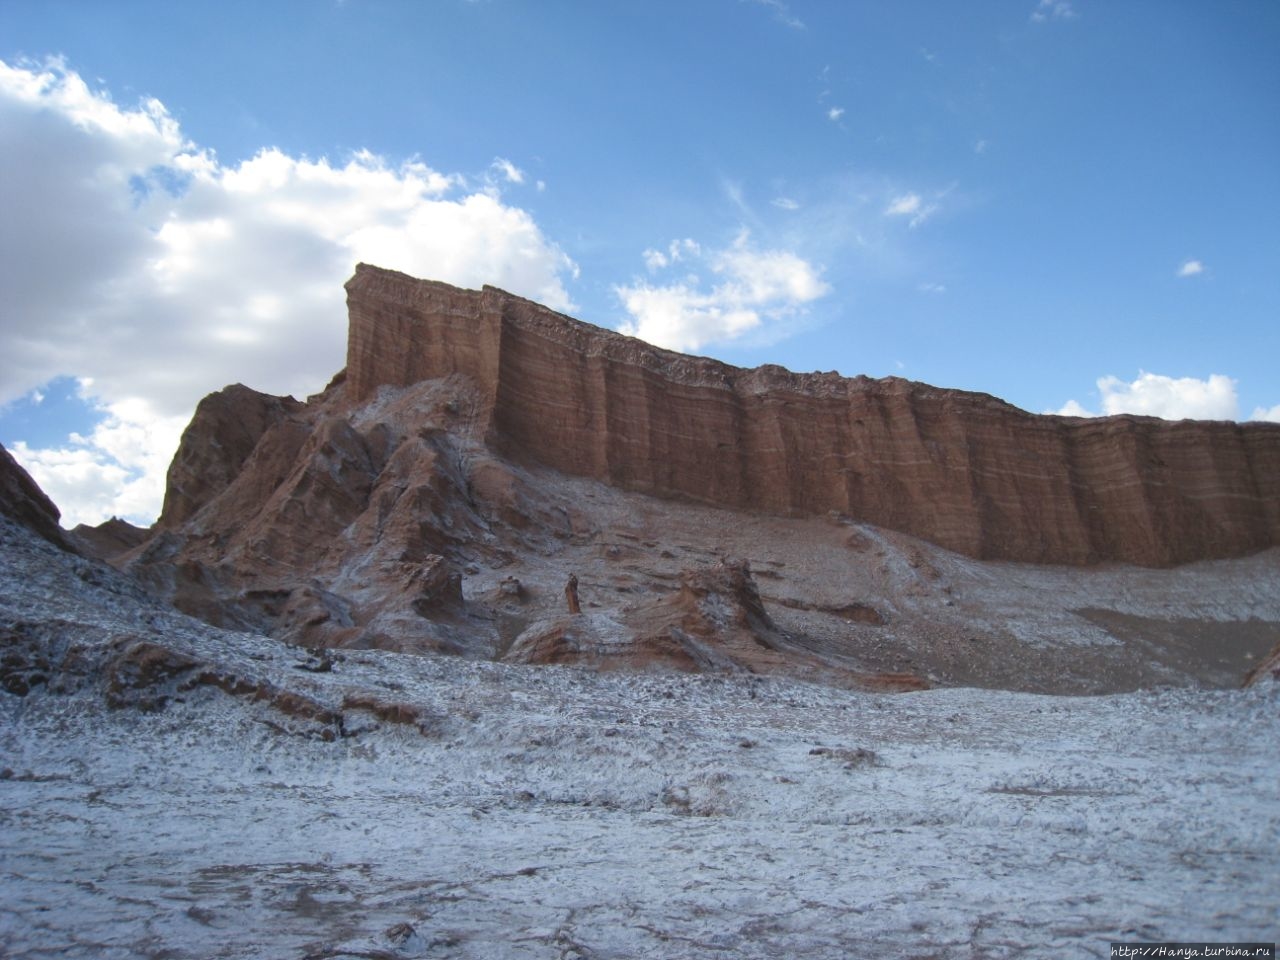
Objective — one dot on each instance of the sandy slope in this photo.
(549, 812)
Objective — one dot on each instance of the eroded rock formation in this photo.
(963, 470)
(221, 436)
(479, 449)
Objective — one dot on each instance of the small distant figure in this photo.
(571, 593)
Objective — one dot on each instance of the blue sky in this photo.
(1070, 204)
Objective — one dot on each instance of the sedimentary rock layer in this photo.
(964, 470)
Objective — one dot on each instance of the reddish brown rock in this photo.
(964, 470)
(222, 434)
(406, 507)
(715, 621)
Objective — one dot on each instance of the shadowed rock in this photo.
(22, 500)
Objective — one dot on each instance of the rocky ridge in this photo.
(965, 471)
(416, 517)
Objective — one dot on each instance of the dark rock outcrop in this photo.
(21, 499)
(963, 470)
(109, 539)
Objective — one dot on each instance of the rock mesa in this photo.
(963, 470)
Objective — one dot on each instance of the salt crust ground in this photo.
(547, 812)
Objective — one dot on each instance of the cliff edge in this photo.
(963, 470)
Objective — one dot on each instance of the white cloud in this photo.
(932, 287)
(835, 113)
(508, 170)
(781, 12)
(904, 205)
(980, 147)
(680, 249)
(1154, 395)
(1053, 10)
(676, 251)
(1262, 413)
(1191, 268)
(118, 470)
(753, 287)
(912, 206)
(1072, 409)
(159, 274)
(785, 203)
(655, 259)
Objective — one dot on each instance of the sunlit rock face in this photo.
(962, 470)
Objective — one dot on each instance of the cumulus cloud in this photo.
(1073, 408)
(157, 274)
(1262, 413)
(1154, 395)
(116, 470)
(1191, 268)
(751, 288)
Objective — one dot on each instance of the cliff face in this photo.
(963, 470)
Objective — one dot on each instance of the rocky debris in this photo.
(962, 470)
(713, 622)
(437, 588)
(857, 613)
(588, 640)
(21, 499)
(478, 809)
(850, 757)
(147, 673)
(1267, 669)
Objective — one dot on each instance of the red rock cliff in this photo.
(964, 470)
